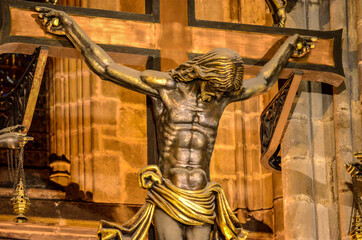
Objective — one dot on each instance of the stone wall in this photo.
(97, 124)
(323, 131)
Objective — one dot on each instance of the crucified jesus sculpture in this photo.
(188, 103)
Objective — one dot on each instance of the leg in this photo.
(166, 227)
(198, 232)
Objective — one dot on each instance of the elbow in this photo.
(266, 82)
(263, 79)
(268, 79)
(97, 62)
(269, 84)
(99, 68)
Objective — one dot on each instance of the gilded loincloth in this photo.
(194, 208)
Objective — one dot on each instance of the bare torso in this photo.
(186, 133)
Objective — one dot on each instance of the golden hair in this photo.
(222, 67)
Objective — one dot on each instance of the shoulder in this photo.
(158, 79)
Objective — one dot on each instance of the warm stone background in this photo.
(323, 132)
(102, 129)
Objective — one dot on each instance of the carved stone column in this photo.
(346, 105)
(359, 44)
(308, 152)
(71, 128)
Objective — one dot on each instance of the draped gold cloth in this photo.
(207, 206)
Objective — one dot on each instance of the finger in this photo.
(12, 129)
(42, 9)
(49, 27)
(308, 48)
(57, 28)
(6, 135)
(19, 128)
(45, 21)
(310, 38)
(305, 50)
(28, 138)
(58, 31)
(303, 53)
(20, 134)
(51, 14)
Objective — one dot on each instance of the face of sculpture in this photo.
(213, 90)
(220, 71)
(224, 83)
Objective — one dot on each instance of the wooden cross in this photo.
(167, 36)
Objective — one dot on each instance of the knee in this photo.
(166, 227)
(198, 232)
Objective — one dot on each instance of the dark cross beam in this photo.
(171, 31)
(174, 31)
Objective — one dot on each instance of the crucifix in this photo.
(147, 38)
(251, 42)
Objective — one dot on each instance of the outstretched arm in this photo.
(294, 46)
(60, 23)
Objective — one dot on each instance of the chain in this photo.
(10, 166)
(21, 164)
(13, 165)
(16, 165)
(16, 170)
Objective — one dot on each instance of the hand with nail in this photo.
(303, 45)
(54, 21)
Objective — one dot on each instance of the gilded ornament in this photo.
(356, 229)
(355, 170)
(20, 202)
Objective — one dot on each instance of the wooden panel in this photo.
(256, 45)
(113, 31)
